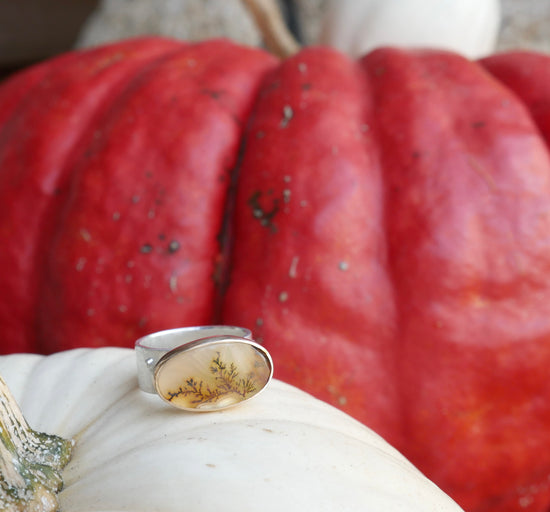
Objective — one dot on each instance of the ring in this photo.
(203, 368)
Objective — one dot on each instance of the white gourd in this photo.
(282, 451)
(468, 27)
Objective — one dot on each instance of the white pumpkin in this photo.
(469, 27)
(281, 451)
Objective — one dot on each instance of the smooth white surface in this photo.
(283, 451)
(468, 27)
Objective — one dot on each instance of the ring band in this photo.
(202, 368)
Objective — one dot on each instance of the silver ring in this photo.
(203, 368)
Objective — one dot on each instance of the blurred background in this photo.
(32, 30)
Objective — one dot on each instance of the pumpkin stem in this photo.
(30, 462)
(269, 20)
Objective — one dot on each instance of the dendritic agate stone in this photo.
(213, 375)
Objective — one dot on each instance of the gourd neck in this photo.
(30, 462)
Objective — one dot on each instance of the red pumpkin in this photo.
(382, 225)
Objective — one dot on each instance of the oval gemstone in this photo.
(212, 375)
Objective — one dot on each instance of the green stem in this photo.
(30, 462)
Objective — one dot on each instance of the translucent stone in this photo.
(212, 375)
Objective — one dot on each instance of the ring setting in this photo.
(203, 368)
